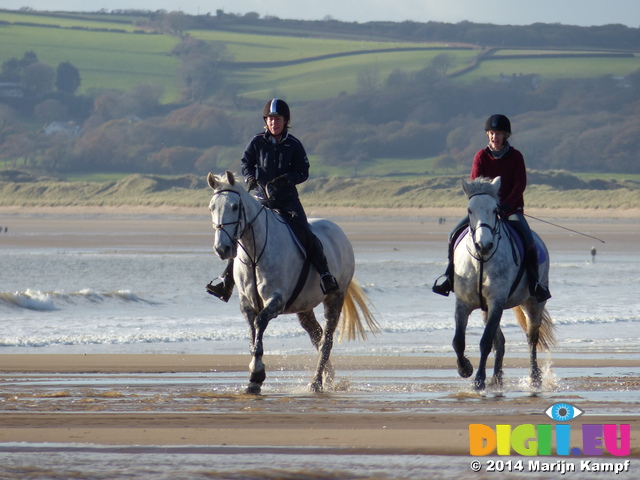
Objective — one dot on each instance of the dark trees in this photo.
(67, 78)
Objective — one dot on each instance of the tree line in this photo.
(536, 35)
(573, 124)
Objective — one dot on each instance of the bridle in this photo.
(235, 239)
(248, 226)
(496, 231)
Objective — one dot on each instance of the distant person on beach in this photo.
(500, 159)
(273, 163)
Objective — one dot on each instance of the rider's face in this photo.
(496, 139)
(275, 124)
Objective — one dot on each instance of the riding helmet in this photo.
(498, 122)
(276, 107)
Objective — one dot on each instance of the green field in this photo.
(104, 59)
(551, 68)
(124, 60)
(48, 20)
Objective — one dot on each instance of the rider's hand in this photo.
(251, 183)
(278, 183)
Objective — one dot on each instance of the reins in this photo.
(496, 231)
(242, 215)
(248, 225)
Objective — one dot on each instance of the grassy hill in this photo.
(114, 53)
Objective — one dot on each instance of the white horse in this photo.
(490, 275)
(272, 277)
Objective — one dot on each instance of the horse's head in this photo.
(483, 212)
(227, 213)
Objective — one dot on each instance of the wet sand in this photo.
(39, 401)
(193, 414)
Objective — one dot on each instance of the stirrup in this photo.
(220, 290)
(444, 288)
(328, 283)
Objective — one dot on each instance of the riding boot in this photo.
(536, 289)
(328, 282)
(446, 286)
(224, 288)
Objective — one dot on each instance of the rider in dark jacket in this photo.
(276, 162)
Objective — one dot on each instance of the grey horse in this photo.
(270, 273)
(489, 275)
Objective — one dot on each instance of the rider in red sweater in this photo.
(499, 158)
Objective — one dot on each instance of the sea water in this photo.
(153, 300)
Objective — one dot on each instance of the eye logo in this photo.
(563, 412)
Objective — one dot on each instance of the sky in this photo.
(499, 12)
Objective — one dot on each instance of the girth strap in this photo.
(302, 279)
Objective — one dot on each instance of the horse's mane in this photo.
(482, 186)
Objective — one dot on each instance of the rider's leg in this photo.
(537, 289)
(224, 288)
(315, 251)
(328, 282)
(446, 286)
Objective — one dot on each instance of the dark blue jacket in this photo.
(264, 159)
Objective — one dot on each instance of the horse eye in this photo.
(234, 208)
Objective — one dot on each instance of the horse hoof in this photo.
(536, 383)
(465, 369)
(253, 389)
(478, 385)
(315, 387)
(258, 377)
(496, 382)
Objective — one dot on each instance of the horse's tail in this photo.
(546, 333)
(351, 328)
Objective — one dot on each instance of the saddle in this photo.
(517, 241)
(306, 264)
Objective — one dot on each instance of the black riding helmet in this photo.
(276, 107)
(498, 122)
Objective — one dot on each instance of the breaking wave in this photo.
(47, 301)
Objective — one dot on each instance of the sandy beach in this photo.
(294, 419)
(191, 414)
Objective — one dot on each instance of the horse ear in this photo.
(465, 187)
(211, 180)
(230, 178)
(496, 183)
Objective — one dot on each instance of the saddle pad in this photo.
(296, 240)
(519, 241)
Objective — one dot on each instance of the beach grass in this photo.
(365, 192)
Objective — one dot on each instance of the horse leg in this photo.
(486, 342)
(536, 374)
(533, 335)
(332, 308)
(312, 327)
(498, 346)
(465, 369)
(250, 314)
(260, 321)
